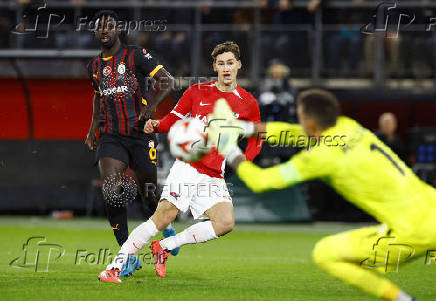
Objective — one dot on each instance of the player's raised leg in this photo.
(222, 221)
(350, 257)
(138, 238)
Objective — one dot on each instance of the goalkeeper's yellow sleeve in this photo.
(285, 134)
(262, 179)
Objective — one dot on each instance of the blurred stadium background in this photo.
(286, 46)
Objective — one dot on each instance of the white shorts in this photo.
(187, 188)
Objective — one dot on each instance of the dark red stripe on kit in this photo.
(98, 72)
(135, 105)
(116, 100)
(138, 91)
(120, 99)
(124, 101)
(125, 94)
(133, 61)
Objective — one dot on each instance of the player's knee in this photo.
(164, 214)
(225, 224)
(321, 254)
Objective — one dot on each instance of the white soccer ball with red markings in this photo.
(188, 140)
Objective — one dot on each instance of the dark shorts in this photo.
(138, 152)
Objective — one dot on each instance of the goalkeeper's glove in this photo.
(224, 129)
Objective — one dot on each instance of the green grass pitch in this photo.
(254, 262)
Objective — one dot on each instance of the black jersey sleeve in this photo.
(145, 62)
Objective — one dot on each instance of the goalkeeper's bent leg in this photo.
(326, 256)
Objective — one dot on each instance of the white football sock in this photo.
(402, 296)
(138, 238)
(200, 232)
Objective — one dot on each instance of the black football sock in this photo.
(117, 217)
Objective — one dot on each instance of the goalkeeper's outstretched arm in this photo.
(263, 179)
(276, 177)
(301, 167)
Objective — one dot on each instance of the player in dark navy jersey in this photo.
(120, 108)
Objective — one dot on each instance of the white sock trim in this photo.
(197, 233)
(138, 238)
(402, 296)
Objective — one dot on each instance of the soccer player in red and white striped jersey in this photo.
(197, 102)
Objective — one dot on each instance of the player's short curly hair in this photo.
(321, 105)
(106, 13)
(228, 46)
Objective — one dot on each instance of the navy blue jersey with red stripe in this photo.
(120, 80)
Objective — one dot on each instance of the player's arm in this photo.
(273, 132)
(303, 166)
(91, 137)
(147, 65)
(285, 134)
(180, 111)
(278, 133)
(165, 82)
(254, 144)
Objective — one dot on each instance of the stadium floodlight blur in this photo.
(307, 41)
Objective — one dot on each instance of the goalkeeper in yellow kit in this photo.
(357, 165)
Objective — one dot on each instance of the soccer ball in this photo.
(188, 140)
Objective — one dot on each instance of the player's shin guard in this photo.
(200, 232)
(136, 241)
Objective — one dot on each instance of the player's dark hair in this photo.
(110, 13)
(228, 46)
(106, 13)
(321, 105)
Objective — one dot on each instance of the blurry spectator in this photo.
(277, 96)
(418, 46)
(174, 51)
(313, 5)
(6, 25)
(386, 133)
(345, 46)
(210, 39)
(290, 46)
(392, 42)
